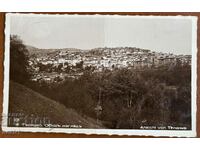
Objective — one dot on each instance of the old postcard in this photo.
(100, 74)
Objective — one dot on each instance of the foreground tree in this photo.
(18, 60)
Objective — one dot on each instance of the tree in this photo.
(18, 60)
(79, 65)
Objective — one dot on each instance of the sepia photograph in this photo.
(100, 74)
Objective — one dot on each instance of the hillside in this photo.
(39, 52)
(26, 101)
(43, 52)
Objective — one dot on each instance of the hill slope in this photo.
(43, 52)
(26, 101)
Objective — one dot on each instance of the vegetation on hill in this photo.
(19, 71)
(129, 98)
(31, 104)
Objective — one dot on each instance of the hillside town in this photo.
(71, 63)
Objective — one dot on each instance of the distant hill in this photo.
(32, 49)
(26, 101)
(39, 52)
(43, 52)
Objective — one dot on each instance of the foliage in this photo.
(19, 70)
(129, 98)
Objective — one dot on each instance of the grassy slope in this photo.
(27, 101)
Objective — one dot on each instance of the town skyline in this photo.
(63, 48)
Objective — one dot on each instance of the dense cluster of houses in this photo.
(101, 59)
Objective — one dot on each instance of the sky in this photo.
(87, 32)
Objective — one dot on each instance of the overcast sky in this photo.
(86, 32)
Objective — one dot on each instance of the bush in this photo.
(19, 67)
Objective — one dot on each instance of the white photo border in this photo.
(140, 132)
